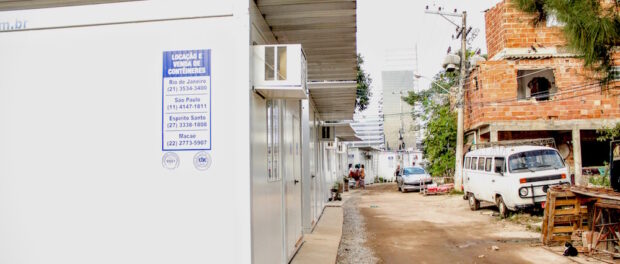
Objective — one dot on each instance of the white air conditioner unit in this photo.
(340, 148)
(280, 71)
(330, 145)
(328, 133)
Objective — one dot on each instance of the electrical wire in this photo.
(541, 95)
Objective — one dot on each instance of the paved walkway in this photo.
(321, 246)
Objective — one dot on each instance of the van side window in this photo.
(473, 163)
(499, 165)
(488, 165)
(481, 163)
(467, 160)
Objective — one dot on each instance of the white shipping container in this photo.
(85, 171)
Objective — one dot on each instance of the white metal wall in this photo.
(81, 176)
(387, 164)
(388, 160)
(268, 215)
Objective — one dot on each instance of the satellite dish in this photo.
(564, 150)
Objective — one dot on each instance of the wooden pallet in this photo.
(564, 215)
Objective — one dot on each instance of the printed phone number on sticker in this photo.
(187, 124)
(176, 107)
(177, 143)
(184, 88)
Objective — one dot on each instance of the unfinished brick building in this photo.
(533, 87)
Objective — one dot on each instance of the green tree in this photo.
(363, 86)
(590, 29)
(440, 142)
(439, 145)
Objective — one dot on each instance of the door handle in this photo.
(492, 180)
(296, 181)
(468, 178)
(313, 176)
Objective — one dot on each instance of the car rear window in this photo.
(414, 170)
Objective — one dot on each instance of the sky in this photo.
(401, 24)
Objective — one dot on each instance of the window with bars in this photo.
(273, 140)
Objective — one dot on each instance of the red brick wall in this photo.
(496, 97)
(616, 62)
(493, 19)
(508, 27)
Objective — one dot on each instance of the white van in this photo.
(513, 178)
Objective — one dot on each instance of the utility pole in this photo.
(401, 131)
(458, 175)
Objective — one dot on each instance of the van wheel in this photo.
(399, 188)
(474, 204)
(503, 210)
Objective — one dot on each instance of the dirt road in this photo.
(385, 226)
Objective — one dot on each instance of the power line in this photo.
(541, 95)
(566, 98)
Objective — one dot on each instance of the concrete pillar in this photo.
(494, 136)
(579, 180)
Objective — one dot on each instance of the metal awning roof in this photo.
(368, 148)
(345, 132)
(326, 30)
(334, 100)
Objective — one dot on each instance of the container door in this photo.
(293, 187)
(313, 171)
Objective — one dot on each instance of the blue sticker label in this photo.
(186, 100)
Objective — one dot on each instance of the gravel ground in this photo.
(382, 225)
(353, 247)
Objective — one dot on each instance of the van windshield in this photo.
(535, 160)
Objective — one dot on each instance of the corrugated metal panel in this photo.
(334, 100)
(325, 28)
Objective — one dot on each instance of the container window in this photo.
(276, 140)
(269, 140)
(481, 164)
(273, 140)
(467, 161)
(282, 63)
(473, 163)
(270, 62)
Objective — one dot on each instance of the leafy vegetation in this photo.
(606, 134)
(600, 180)
(439, 145)
(591, 29)
(363, 86)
